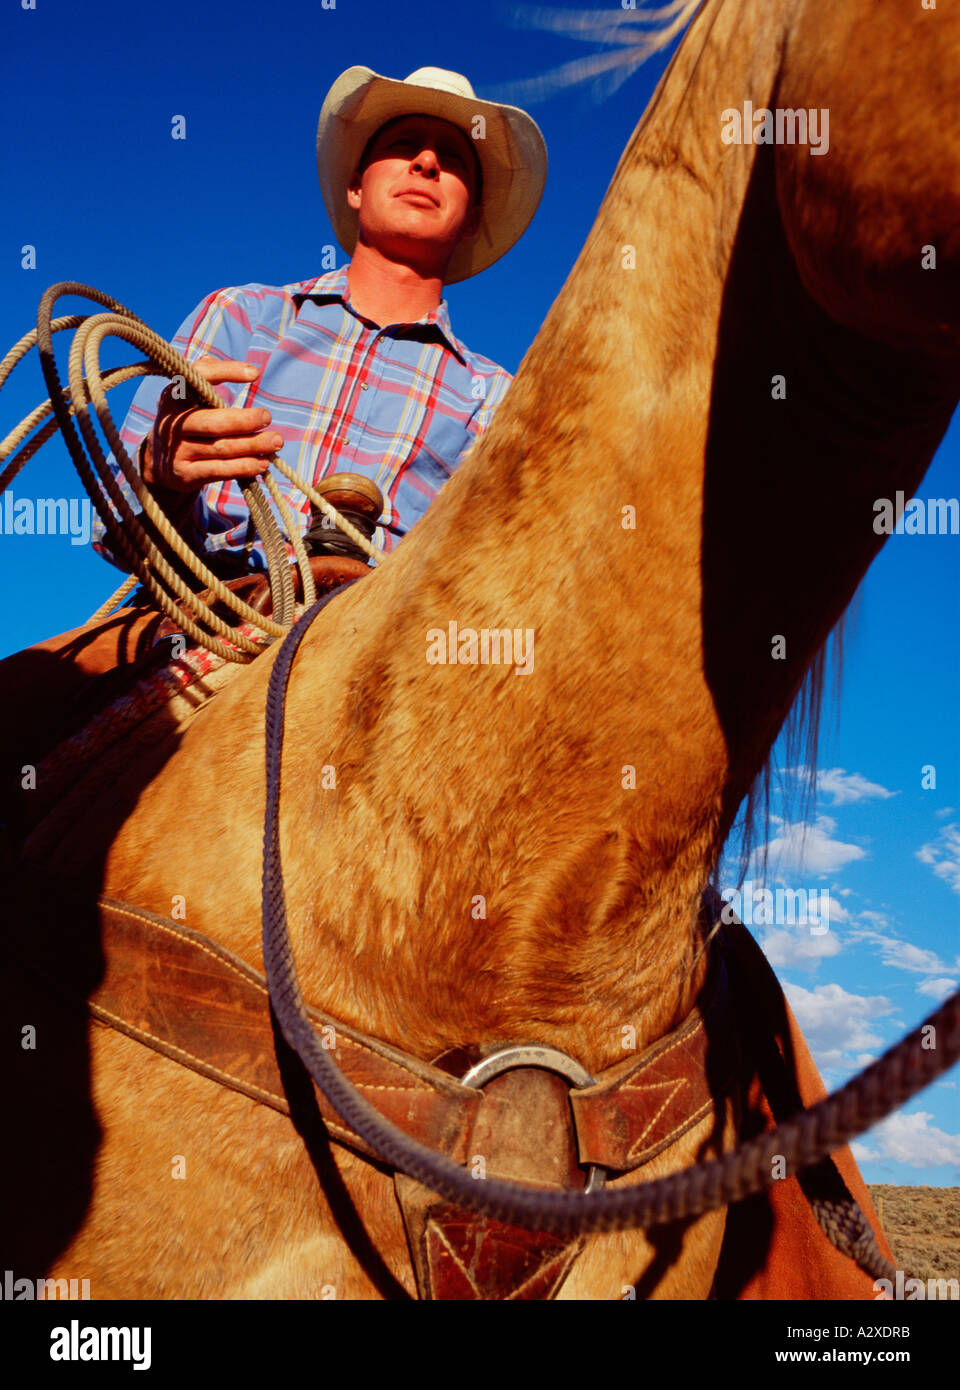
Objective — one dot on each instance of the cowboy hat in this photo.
(512, 153)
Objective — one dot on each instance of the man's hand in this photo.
(191, 445)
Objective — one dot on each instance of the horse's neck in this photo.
(509, 855)
(546, 836)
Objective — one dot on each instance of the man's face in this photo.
(415, 194)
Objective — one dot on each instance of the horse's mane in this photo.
(639, 34)
(800, 735)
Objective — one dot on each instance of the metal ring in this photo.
(548, 1059)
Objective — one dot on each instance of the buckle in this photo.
(547, 1059)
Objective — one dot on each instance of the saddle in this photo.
(62, 684)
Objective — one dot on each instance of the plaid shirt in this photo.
(398, 404)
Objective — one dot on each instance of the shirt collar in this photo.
(335, 285)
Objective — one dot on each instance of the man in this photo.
(356, 370)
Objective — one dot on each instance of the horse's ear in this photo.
(890, 166)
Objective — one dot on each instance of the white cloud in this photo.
(901, 955)
(904, 956)
(846, 787)
(944, 812)
(910, 1139)
(798, 946)
(808, 849)
(837, 911)
(836, 1023)
(938, 988)
(943, 854)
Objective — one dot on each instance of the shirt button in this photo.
(363, 386)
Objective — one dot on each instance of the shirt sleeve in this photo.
(219, 327)
(495, 388)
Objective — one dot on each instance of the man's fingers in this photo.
(195, 473)
(195, 445)
(230, 420)
(213, 370)
(240, 446)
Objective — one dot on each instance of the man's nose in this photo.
(426, 163)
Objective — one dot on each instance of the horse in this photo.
(482, 852)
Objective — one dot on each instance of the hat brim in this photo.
(512, 155)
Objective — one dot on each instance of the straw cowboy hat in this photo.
(512, 153)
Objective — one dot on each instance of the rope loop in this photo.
(157, 564)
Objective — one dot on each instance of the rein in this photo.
(806, 1139)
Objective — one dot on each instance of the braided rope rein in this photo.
(799, 1143)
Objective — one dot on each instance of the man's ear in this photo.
(353, 190)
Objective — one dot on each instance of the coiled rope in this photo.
(150, 562)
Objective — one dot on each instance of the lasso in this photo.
(150, 562)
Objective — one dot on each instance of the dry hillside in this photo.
(922, 1225)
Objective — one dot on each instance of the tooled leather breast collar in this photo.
(528, 1113)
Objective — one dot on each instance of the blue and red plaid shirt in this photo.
(399, 404)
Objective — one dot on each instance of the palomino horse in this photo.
(480, 868)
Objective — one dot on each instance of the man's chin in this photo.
(414, 248)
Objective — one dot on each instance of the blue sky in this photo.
(94, 181)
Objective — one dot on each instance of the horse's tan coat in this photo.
(650, 651)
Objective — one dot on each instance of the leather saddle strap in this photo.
(641, 1106)
(525, 1133)
(196, 1002)
(533, 1128)
(192, 999)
